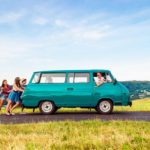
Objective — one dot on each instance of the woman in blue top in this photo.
(13, 97)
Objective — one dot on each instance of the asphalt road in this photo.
(76, 116)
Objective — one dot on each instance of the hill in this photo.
(138, 89)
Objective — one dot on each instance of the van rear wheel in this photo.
(104, 107)
(47, 107)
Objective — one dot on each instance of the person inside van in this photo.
(99, 79)
(13, 99)
(5, 90)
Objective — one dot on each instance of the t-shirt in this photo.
(98, 80)
(5, 90)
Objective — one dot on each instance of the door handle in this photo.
(69, 89)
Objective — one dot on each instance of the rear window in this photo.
(78, 78)
(53, 78)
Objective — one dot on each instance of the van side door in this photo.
(79, 89)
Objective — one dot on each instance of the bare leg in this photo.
(10, 106)
(13, 107)
(1, 103)
(9, 103)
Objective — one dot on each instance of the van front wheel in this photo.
(47, 107)
(104, 107)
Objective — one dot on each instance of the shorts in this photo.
(3, 97)
(14, 96)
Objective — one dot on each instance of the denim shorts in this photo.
(13, 96)
(3, 97)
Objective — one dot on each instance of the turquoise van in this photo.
(51, 90)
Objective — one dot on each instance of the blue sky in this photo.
(75, 34)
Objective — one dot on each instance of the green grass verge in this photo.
(70, 135)
(138, 105)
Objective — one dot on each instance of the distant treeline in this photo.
(138, 89)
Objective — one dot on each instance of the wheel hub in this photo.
(105, 106)
(47, 106)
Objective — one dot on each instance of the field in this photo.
(84, 135)
(76, 135)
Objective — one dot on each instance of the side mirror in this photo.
(115, 81)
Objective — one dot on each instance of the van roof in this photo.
(90, 70)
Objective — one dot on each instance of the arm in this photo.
(17, 88)
(10, 89)
(99, 83)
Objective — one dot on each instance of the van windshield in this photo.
(36, 78)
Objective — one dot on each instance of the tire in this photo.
(104, 107)
(47, 107)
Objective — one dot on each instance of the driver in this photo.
(99, 80)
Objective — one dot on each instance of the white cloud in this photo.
(11, 17)
(61, 23)
(82, 34)
(13, 48)
(87, 34)
(40, 21)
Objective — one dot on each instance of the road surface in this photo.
(76, 116)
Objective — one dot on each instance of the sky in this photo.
(75, 34)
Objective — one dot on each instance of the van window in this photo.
(108, 77)
(78, 77)
(53, 78)
(70, 77)
(36, 78)
(105, 76)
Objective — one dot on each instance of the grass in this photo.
(83, 135)
(70, 135)
(138, 105)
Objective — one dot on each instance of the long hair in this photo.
(3, 83)
(17, 82)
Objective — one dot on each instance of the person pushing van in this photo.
(13, 99)
(5, 90)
